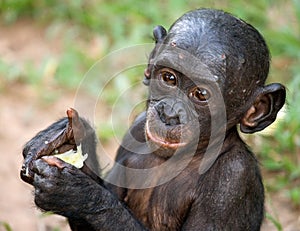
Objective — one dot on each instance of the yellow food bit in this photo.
(73, 157)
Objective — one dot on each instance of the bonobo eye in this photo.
(199, 94)
(168, 77)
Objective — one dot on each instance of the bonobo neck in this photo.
(232, 138)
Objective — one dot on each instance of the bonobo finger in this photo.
(41, 183)
(59, 166)
(75, 126)
(43, 168)
(54, 161)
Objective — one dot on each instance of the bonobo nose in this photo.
(171, 113)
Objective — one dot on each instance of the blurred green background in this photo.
(111, 25)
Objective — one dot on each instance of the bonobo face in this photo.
(184, 97)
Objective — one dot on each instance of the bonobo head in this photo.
(209, 68)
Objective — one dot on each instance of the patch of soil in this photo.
(20, 118)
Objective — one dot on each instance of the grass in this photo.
(5, 226)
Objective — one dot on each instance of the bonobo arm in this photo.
(69, 192)
(62, 188)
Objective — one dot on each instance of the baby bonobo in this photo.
(182, 165)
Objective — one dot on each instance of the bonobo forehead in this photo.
(186, 63)
(231, 49)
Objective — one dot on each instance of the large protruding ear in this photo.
(159, 34)
(264, 110)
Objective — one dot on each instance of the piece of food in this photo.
(73, 157)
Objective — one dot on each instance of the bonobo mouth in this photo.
(173, 144)
(164, 136)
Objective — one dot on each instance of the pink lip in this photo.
(162, 142)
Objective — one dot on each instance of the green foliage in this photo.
(274, 221)
(6, 226)
(11, 10)
(11, 74)
(294, 194)
(72, 66)
(120, 21)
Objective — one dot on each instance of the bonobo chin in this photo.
(182, 164)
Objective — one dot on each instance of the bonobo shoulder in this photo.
(238, 162)
(235, 175)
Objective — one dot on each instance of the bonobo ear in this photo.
(159, 33)
(264, 110)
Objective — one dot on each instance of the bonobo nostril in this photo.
(173, 121)
(168, 113)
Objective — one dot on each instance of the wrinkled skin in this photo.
(206, 75)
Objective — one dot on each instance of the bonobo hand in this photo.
(57, 185)
(68, 191)
(59, 137)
